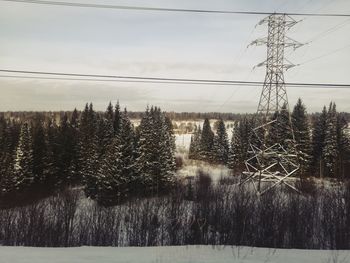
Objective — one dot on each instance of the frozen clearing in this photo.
(188, 254)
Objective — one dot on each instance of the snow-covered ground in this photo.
(192, 167)
(175, 254)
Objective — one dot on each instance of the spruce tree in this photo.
(221, 145)
(318, 142)
(330, 150)
(23, 164)
(302, 136)
(155, 158)
(168, 150)
(112, 185)
(207, 142)
(194, 150)
(343, 141)
(89, 150)
(74, 177)
(117, 119)
(280, 131)
(239, 145)
(6, 157)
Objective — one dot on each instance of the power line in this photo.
(325, 55)
(128, 81)
(120, 78)
(161, 9)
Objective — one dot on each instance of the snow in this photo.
(175, 254)
(183, 141)
(191, 167)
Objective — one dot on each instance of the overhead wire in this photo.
(189, 81)
(163, 9)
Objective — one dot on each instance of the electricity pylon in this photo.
(272, 155)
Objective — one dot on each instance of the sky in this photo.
(172, 45)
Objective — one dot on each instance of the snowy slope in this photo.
(180, 254)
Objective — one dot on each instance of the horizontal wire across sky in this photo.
(141, 79)
(161, 9)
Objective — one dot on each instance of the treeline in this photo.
(104, 153)
(210, 214)
(175, 116)
(323, 145)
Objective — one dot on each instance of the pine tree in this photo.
(109, 114)
(343, 141)
(112, 185)
(168, 150)
(74, 177)
(302, 136)
(39, 151)
(239, 145)
(117, 119)
(156, 155)
(89, 151)
(23, 164)
(280, 131)
(330, 150)
(207, 142)
(318, 140)
(194, 150)
(6, 158)
(221, 145)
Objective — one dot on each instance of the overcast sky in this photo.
(161, 44)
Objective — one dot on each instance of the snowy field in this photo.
(176, 254)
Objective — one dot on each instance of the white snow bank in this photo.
(188, 254)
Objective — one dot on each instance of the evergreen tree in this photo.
(117, 170)
(207, 142)
(239, 145)
(109, 114)
(154, 163)
(117, 119)
(302, 136)
(51, 173)
(318, 141)
(330, 150)
(221, 145)
(74, 177)
(23, 164)
(112, 185)
(280, 131)
(343, 141)
(89, 151)
(168, 149)
(39, 150)
(194, 150)
(6, 157)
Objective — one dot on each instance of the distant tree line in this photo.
(104, 153)
(175, 116)
(323, 144)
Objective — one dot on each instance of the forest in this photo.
(322, 145)
(93, 178)
(103, 153)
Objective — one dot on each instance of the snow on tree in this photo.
(318, 140)
(194, 149)
(239, 143)
(155, 159)
(302, 135)
(221, 145)
(89, 150)
(206, 142)
(23, 163)
(116, 119)
(330, 150)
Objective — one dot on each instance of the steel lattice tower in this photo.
(272, 153)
